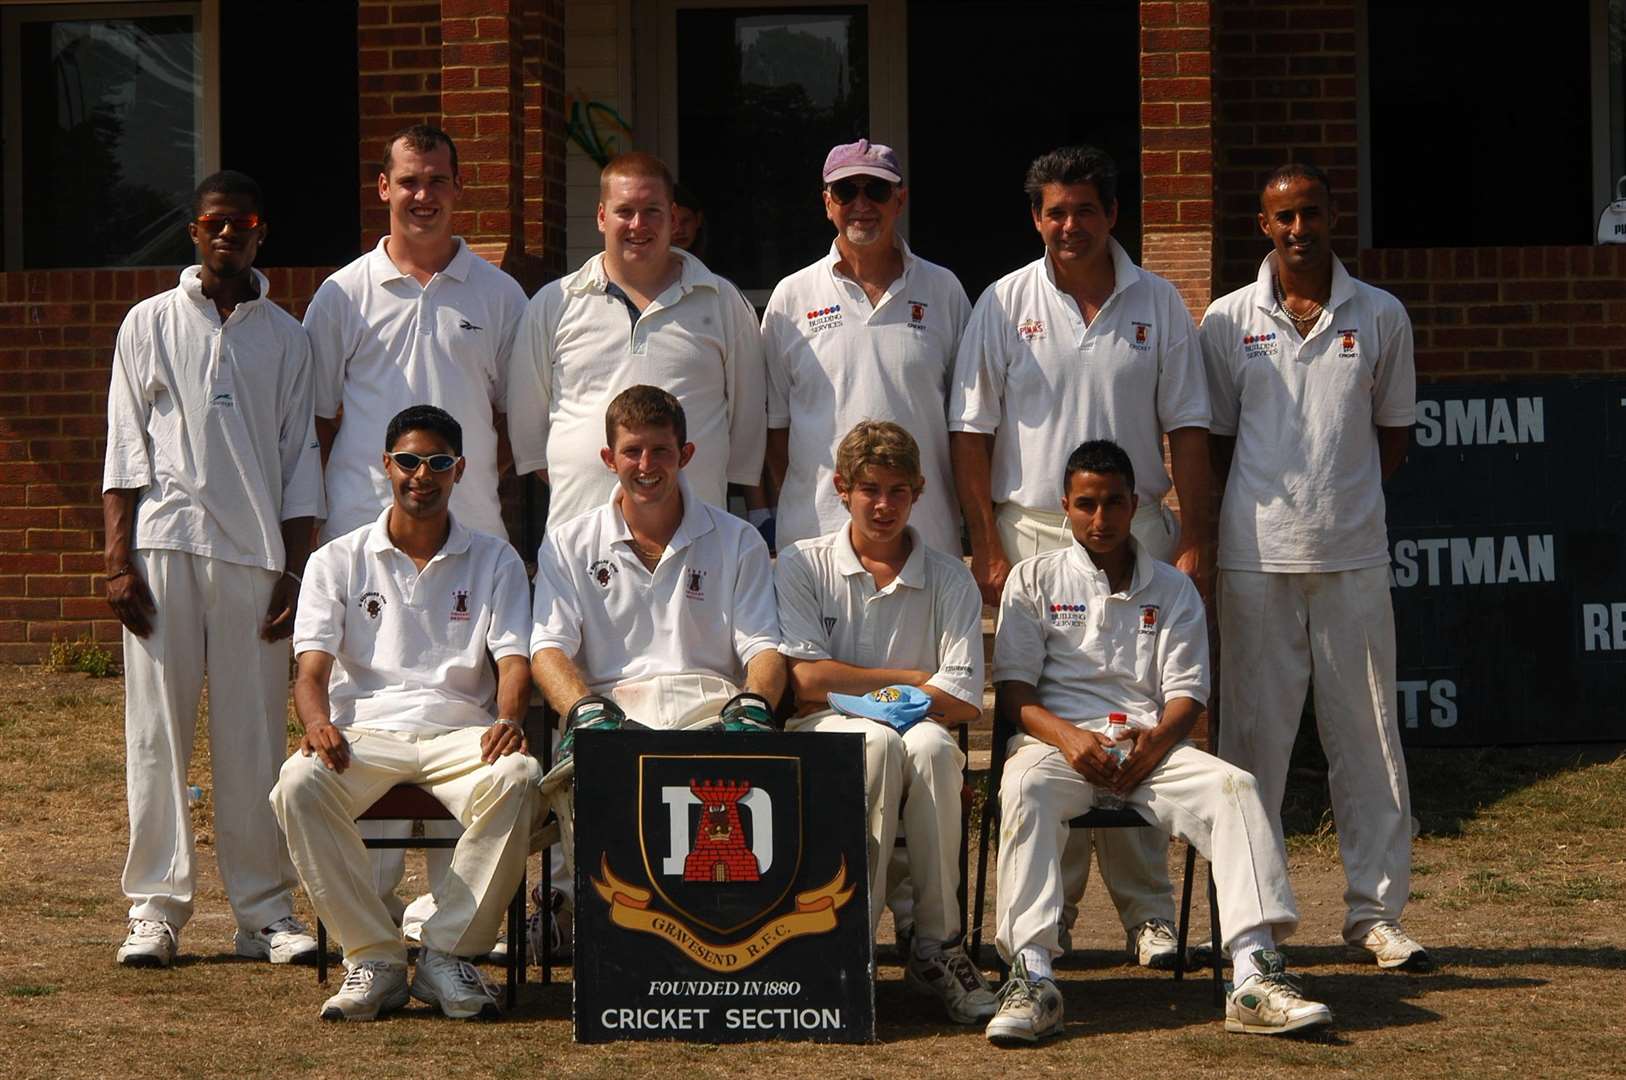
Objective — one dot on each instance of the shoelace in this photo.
(1288, 983)
(959, 965)
(1018, 991)
(285, 925)
(1390, 932)
(468, 978)
(148, 928)
(359, 979)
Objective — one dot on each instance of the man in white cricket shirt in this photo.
(1082, 344)
(210, 490)
(655, 607)
(1314, 395)
(1096, 628)
(402, 625)
(867, 332)
(871, 609)
(641, 312)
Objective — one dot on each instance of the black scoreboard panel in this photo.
(1507, 565)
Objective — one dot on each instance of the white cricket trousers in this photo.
(494, 803)
(1283, 632)
(208, 619)
(1134, 862)
(1208, 803)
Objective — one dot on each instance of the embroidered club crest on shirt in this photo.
(460, 605)
(372, 603)
(829, 624)
(601, 572)
(1346, 345)
(1030, 330)
(1068, 615)
(1142, 341)
(917, 315)
(1148, 618)
(694, 584)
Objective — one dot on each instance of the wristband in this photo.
(122, 571)
(297, 579)
(512, 725)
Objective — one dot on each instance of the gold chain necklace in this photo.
(1281, 305)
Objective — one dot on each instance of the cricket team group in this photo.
(336, 483)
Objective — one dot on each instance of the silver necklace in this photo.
(1281, 304)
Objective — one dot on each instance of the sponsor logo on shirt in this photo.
(460, 605)
(223, 400)
(1030, 330)
(957, 669)
(602, 571)
(1346, 346)
(1143, 337)
(466, 325)
(829, 624)
(1258, 345)
(1066, 615)
(917, 315)
(372, 603)
(694, 584)
(1148, 618)
(823, 318)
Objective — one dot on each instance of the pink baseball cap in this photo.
(862, 158)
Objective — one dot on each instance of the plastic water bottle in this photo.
(1117, 731)
(194, 794)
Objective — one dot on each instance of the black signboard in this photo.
(1509, 578)
(721, 888)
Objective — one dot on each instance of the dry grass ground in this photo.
(1520, 889)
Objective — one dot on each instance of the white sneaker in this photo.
(150, 943)
(954, 980)
(285, 941)
(1153, 944)
(1394, 948)
(1029, 1009)
(455, 985)
(1269, 1001)
(370, 988)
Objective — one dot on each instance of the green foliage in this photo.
(81, 655)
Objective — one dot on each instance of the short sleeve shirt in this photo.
(928, 618)
(383, 342)
(1089, 651)
(834, 360)
(410, 647)
(1033, 376)
(1305, 494)
(212, 422)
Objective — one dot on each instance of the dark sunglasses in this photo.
(214, 223)
(845, 190)
(408, 463)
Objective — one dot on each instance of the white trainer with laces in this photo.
(1394, 948)
(954, 980)
(1029, 1009)
(285, 941)
(1269, 1002)
(1153, 944)
(370, 989)
(150, 943)
(455, 985)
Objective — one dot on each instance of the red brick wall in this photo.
(399, 84)
(56, 344)
(545, 139)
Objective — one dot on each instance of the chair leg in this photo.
(964, 739)
(321, 953)
(1219, 959)
(516, 960)
(989, 815)
(1185, 911)
(547, 917)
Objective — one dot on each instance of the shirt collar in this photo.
(695, 524)
(1139, 579)
(1124, 271)
(381, 268)
(592, 278)
(1264, 288)
(378, 536)
(192, 289)
(898, 242)
(913, 574)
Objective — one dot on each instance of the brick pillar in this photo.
(398, 84)
(1177, 144)
(545, 141)
(482, 107)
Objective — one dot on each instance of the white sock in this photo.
(1037, 961)
(1243, 946)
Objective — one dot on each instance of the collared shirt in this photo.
(383, 342)
(410, 647)
(1090, 651)
(928, 618)
(834, 359)
(1033, 376)
(706, 609)
(212, 422)
(1305, 493)
(576, 350)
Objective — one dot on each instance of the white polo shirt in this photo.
(833, 360)
(410, 647)
(1305, 493)
(928, 618)
(1089, 651)
(1031, 374)
(579, 347)
(706, 609)
(212, 422)
(383, 342)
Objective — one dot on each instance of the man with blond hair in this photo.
(641, 311)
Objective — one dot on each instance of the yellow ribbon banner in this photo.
(815, 914)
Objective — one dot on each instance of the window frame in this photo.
(206, 115)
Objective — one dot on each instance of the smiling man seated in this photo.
(1096, 628)
(398, 625)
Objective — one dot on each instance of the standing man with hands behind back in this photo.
(210, 490)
